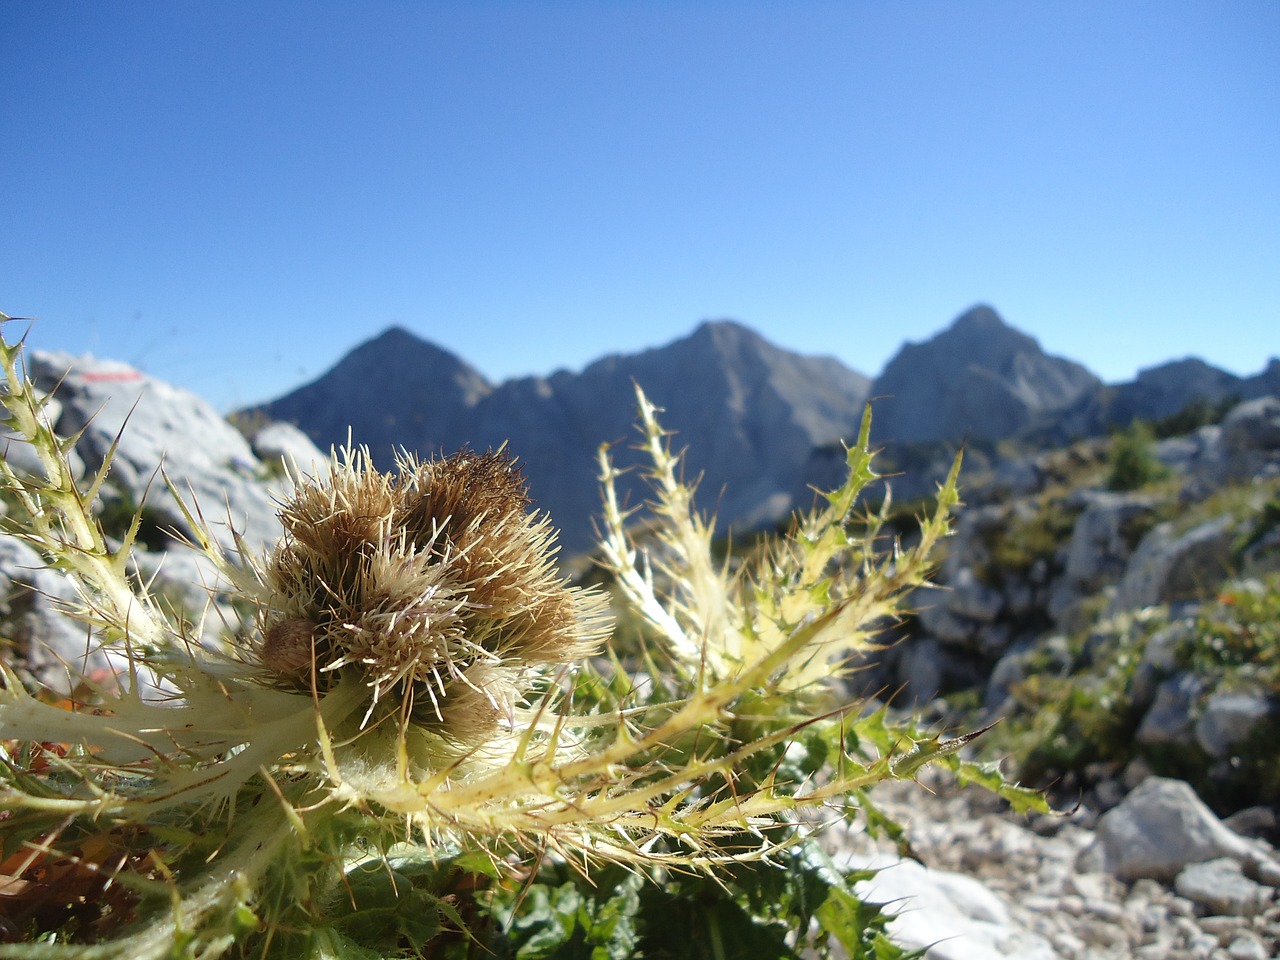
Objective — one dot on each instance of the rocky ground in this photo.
(999, 884)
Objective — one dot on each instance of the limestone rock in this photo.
(1221, 887)
(287, 449)
(1247, 947)
(920, 671)
(1166, 567)
(1009, 671)
(1160, 659)
(1168, 722)
(20, 454)
(940, 622)
(1161, 827)
(1262, 823)
(1251, 437)
(1253, 425)
(191, 590)
(32, 621)
(1229, 718)
(1016, 477)
(159, 425)
(1099, 546)
(948, 915)
(973, 600)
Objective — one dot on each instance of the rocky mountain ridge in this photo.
(749, 411)
(762, 424)
(978, 378)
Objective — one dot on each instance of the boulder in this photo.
(947, 916)
(1261, 823)
(286, 450)
(1221, 887)
(973, 600)
(20, 454)
(1167, 567)
(191, 591)
(1251, 437)
(1253, 425)
(33, 621)
(1206, 470)
(1161, 827)
(160, 426)
(1015, 477)
(1168, 721)
(1159, 660)
(1065, 606)
(938, 621)
(1009, 671)
(920, 672)
(1229, 718)
(1099, 545)
(965, 606)
(1179, 454)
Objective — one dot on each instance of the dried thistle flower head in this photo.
(436, 584)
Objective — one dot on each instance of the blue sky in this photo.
(232, 195)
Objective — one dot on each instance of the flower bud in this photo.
(436, 585)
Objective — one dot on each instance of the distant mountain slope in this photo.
(749, 413)
(1159, 392)
(391, 391)
(761, 423)
(979, 378)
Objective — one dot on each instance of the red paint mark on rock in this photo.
(110, 376)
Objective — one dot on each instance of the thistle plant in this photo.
(423, 743)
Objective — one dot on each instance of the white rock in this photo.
(952, 917)
(1160, 828)
(160, 425)
(1167, 567)
(285, 444)
(49, 641)
(972, 599)
(1247, 947)
(1229, 719)
(1252, 427)
(189, 586)
(1222, 888)
(940, 622)
(18, 453)
(1168, 721)
(1098, 547)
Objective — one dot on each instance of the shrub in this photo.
(1132, 463)
(1200, 412)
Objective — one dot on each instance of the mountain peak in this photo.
(980, 335)
(722, 332)
(396, 335)
(400, 341)
(978, 378)
(979, 318)
(722, 324)
(384, 380)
